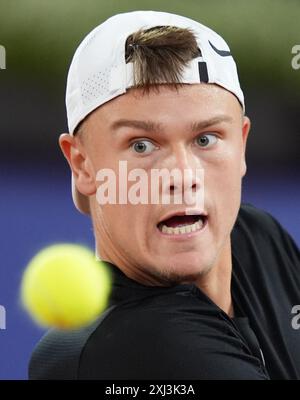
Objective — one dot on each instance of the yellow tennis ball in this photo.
(64, 286)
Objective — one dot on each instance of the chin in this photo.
(185, 269)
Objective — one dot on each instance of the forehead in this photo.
(166, 103)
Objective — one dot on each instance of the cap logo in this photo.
(222, 53)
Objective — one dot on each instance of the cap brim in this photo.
(81, 202)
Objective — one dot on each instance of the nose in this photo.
(186, 183)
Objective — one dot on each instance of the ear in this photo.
(81, 167)
(245, 132)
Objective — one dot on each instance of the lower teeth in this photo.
(182, 229)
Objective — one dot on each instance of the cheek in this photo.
(223, 170)
(126, 222)
(118, 217)
(223, 183)
(227, 163)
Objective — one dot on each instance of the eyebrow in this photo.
(197, 126)
(152, 126)
(148, 126)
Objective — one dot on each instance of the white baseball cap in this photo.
(98, 71)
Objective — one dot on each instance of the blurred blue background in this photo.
(36, 208)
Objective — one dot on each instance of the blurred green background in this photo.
(40, 37)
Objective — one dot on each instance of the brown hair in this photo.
(160, 54)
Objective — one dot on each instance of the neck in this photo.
(216, 283)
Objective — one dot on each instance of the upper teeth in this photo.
(182, 228)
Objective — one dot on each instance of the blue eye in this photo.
(207, 140)
(143, 146)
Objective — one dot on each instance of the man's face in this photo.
(196, 127)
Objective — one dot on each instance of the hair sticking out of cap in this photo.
(160, 54)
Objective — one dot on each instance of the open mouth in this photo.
(182, 224)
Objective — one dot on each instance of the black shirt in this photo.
(177, 332)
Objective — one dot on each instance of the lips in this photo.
(181, 223)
